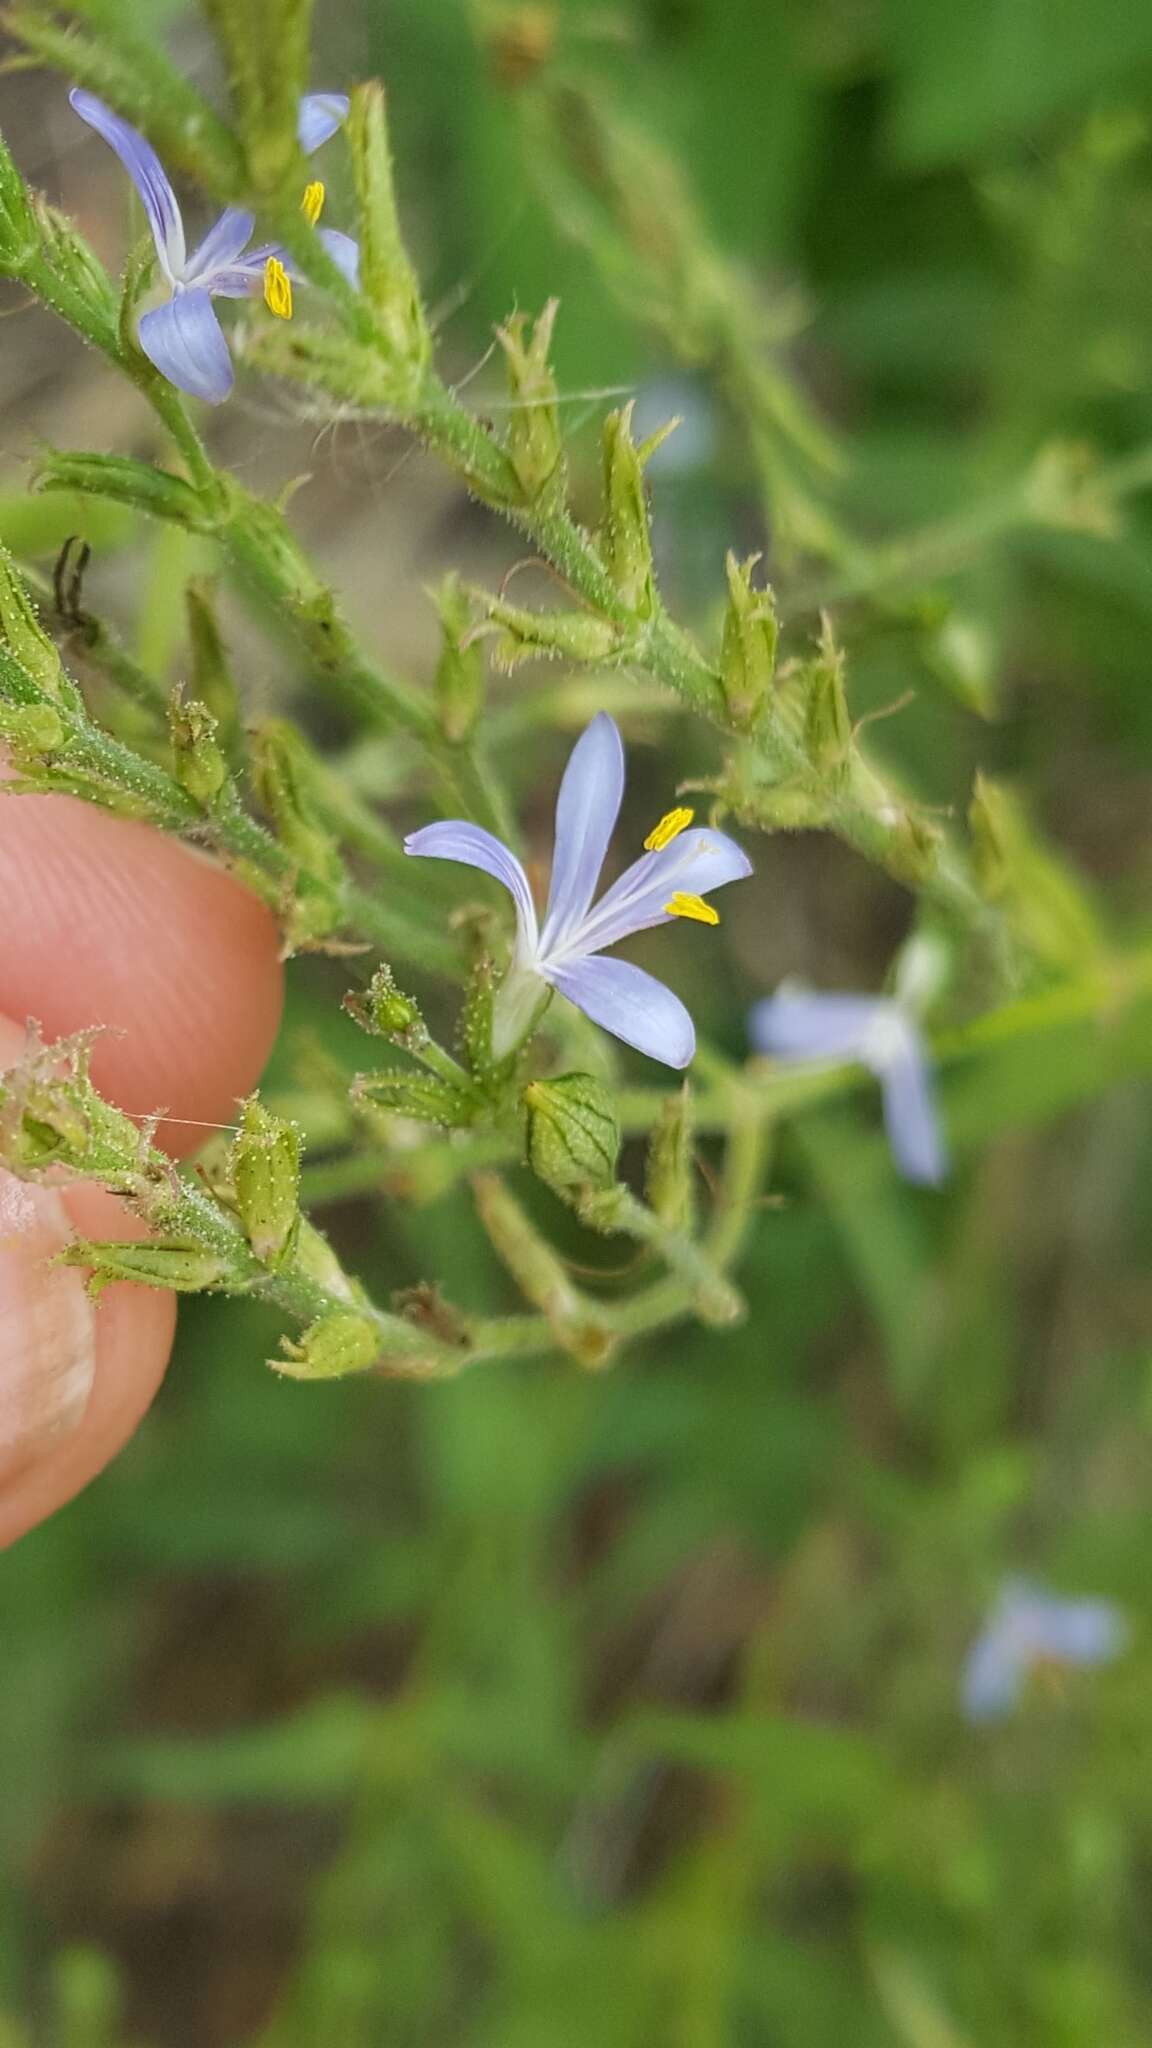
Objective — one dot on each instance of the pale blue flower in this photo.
(883, 1035)
(183, 337)
(674, 874)
(1029, 1628)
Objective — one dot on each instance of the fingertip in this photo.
(76, 1376)
(110, 923)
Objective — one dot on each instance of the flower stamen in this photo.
(670, 827)
(277, 289)
(683, 905)
(312, 204)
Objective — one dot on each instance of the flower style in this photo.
(798, 1024)
(184, 338)
(677, 869)
(1028, 1629)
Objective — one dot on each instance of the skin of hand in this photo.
(105, 922)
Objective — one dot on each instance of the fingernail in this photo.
(47, 1326)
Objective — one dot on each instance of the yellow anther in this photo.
(277, 289)
(670, 827)
(312, 204)
(682, 905)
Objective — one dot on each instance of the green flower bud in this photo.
(569, 636)
(626, 536)
(335, 1344)
(266, 1181)
(281, 769)
(668, 1182)
(534, 442)
(156, 1262)
(827, 724)
(460, 669)
(23, 635)
(213, 683)
(31, 730)
(386, 1012)
(66, 274)
(748, 645)
(198, 762)
(573, 1132)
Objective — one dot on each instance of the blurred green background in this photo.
(549, 1711)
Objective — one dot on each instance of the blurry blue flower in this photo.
(184, 338)
(1028, 1628)
(693, 445)
(675, 872)
(797, 1024)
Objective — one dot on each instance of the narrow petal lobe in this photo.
(695, 863)
(473, 847)
(147, 174)
(321, 114)
(345, 254)
(221, 246)
(910, 1114)
(586, 812)
(993, 1671)
(631, 1005)
(798, 1024)
(185, 341)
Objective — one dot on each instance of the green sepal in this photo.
(19, 232)
(748, 645)
(421, 1096)
(127, 482)
(626, 534)
(525, 635)
(22, 633)
(533, 439)
(154, 1262)
(460, 669)
(387, 279)
(265, 1176)
(828, 734)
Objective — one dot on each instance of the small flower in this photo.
(1027, 1630)
(797, 1024)
(184, 338)
(671, 878)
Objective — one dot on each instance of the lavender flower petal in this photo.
(185, 341)
(320, 115)
(632, 1005)
(992, 1676)
(147, 174)
(221, 247)
(910, 1114)
(1083, 1632)
(695, 863)
(345, 254)
(586, 812)
(476, 848)
(797, 1024)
